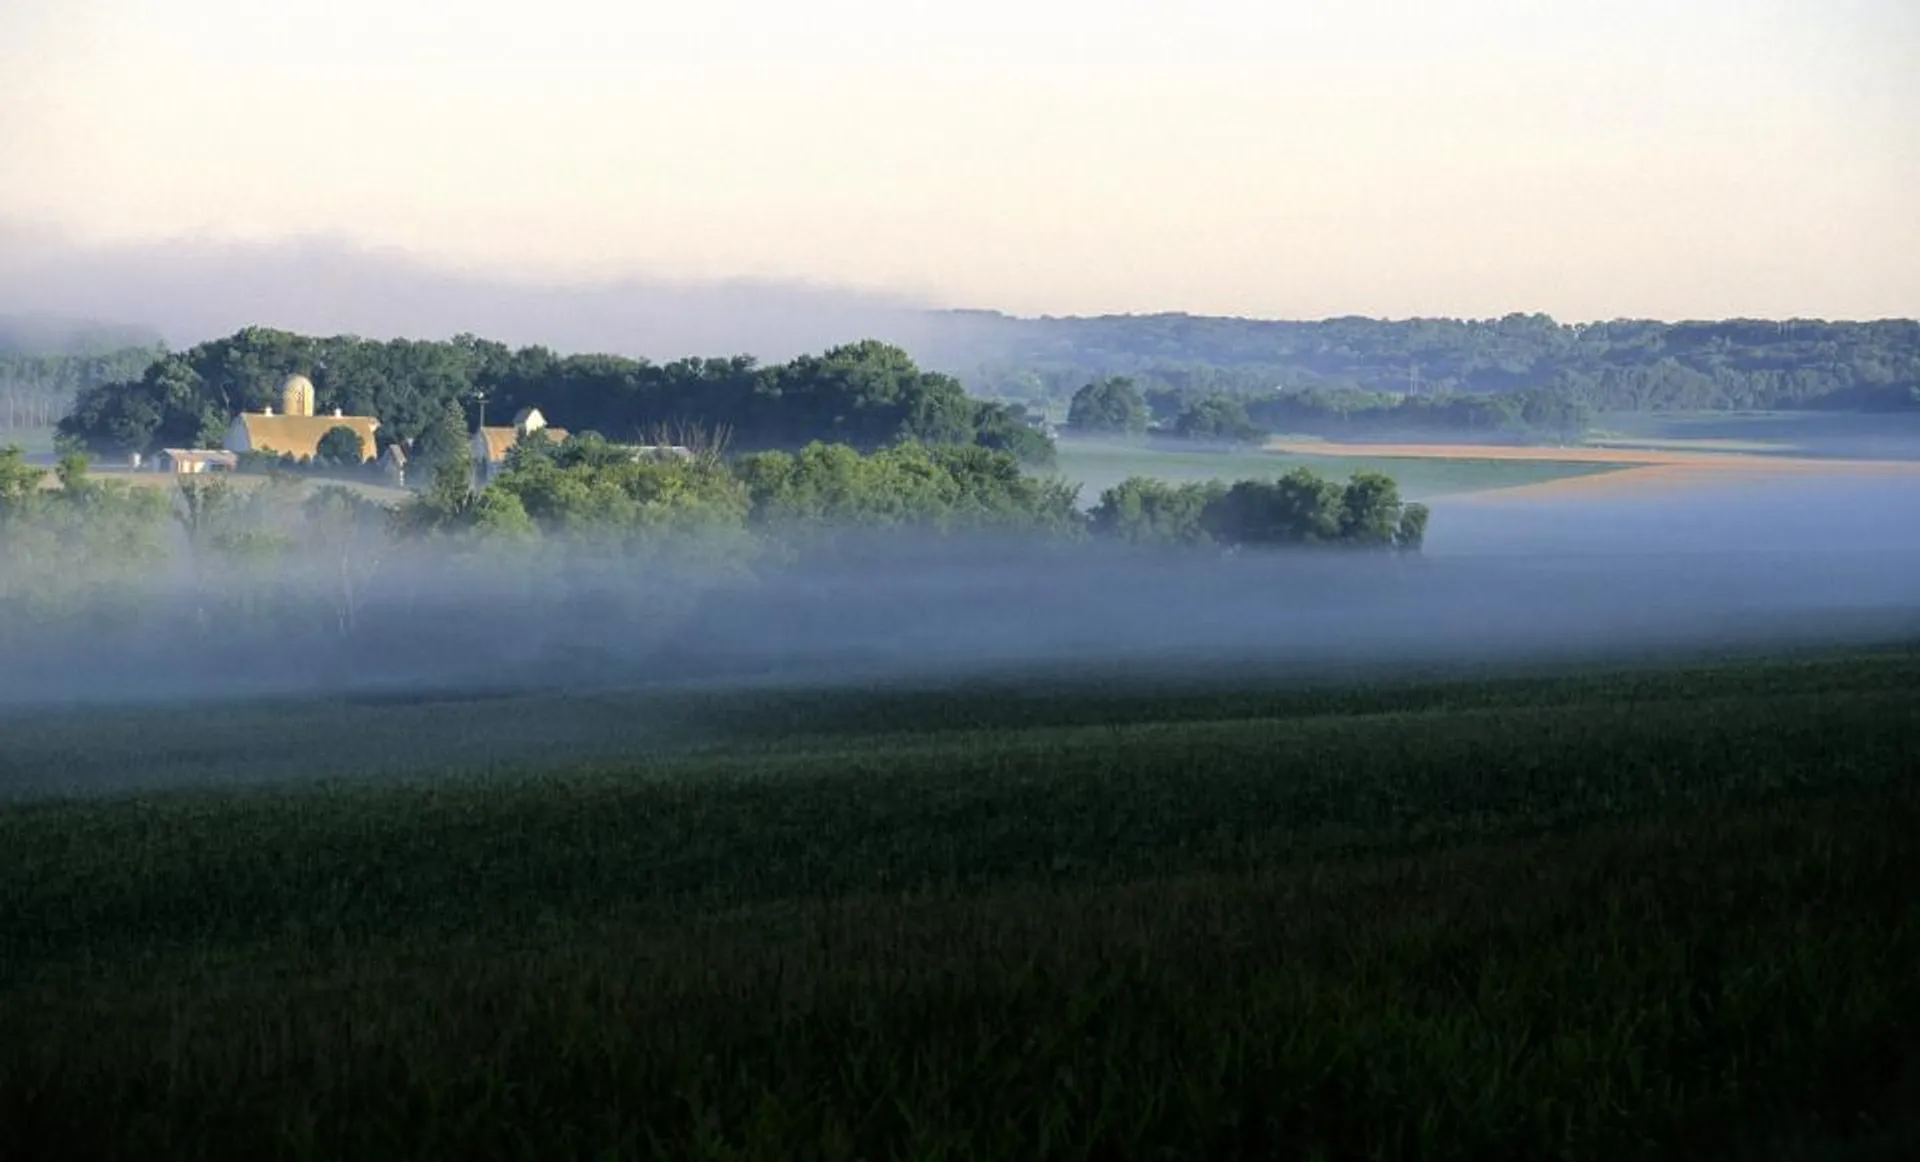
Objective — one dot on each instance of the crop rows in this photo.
(1655, 915)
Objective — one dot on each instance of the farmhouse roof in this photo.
(500, 441)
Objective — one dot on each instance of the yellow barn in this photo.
(296, 432)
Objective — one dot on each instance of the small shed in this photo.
(393, 464)
(195, 461)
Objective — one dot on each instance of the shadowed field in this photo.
(1648, 913)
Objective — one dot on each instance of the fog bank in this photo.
(194, 289)
(1508, 582)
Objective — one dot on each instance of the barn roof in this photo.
(299, 436)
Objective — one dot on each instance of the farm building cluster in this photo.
(292, 431)
(295, 431)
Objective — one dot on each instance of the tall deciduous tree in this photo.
(444, 446)
(1112, 406)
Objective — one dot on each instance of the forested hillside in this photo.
(1622, 365)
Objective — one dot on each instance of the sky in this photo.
(1670, 159)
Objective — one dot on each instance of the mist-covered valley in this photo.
(1502, 580)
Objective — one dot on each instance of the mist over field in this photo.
(1837, 516)
(1503, 580)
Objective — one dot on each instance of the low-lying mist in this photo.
(1800, 563)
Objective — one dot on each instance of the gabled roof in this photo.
(299, 436)
(500, 441)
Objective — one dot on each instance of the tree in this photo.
(1297, 509)
(341, 447)
(1147, 512)
(1369, 509)
(1001, 428)
(19, 480)
(1412, 533)
(444, 445)
(1217, 418)
(825, 489)
(1111, 405)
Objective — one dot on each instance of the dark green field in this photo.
(1657, 914)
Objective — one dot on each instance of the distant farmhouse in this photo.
(296, 432)
(491, 445)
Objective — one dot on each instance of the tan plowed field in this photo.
(1636, 469)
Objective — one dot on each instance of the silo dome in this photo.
(296, 396)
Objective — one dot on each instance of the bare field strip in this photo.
(1635, 469)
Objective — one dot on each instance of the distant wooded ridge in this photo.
(1618, 365)
(1524, 374)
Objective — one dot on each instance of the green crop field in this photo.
(1098, 466)
(1642, 913)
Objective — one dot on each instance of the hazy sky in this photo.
(1670, 158)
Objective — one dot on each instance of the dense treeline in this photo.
(1532, 411)
(587, 490)
(1621, 365)
(866, 395)
(1522, 376)
(1115, 406)
(578, 534)
(1299, 508)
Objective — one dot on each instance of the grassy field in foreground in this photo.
(1097, 467)
(1655, 914)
